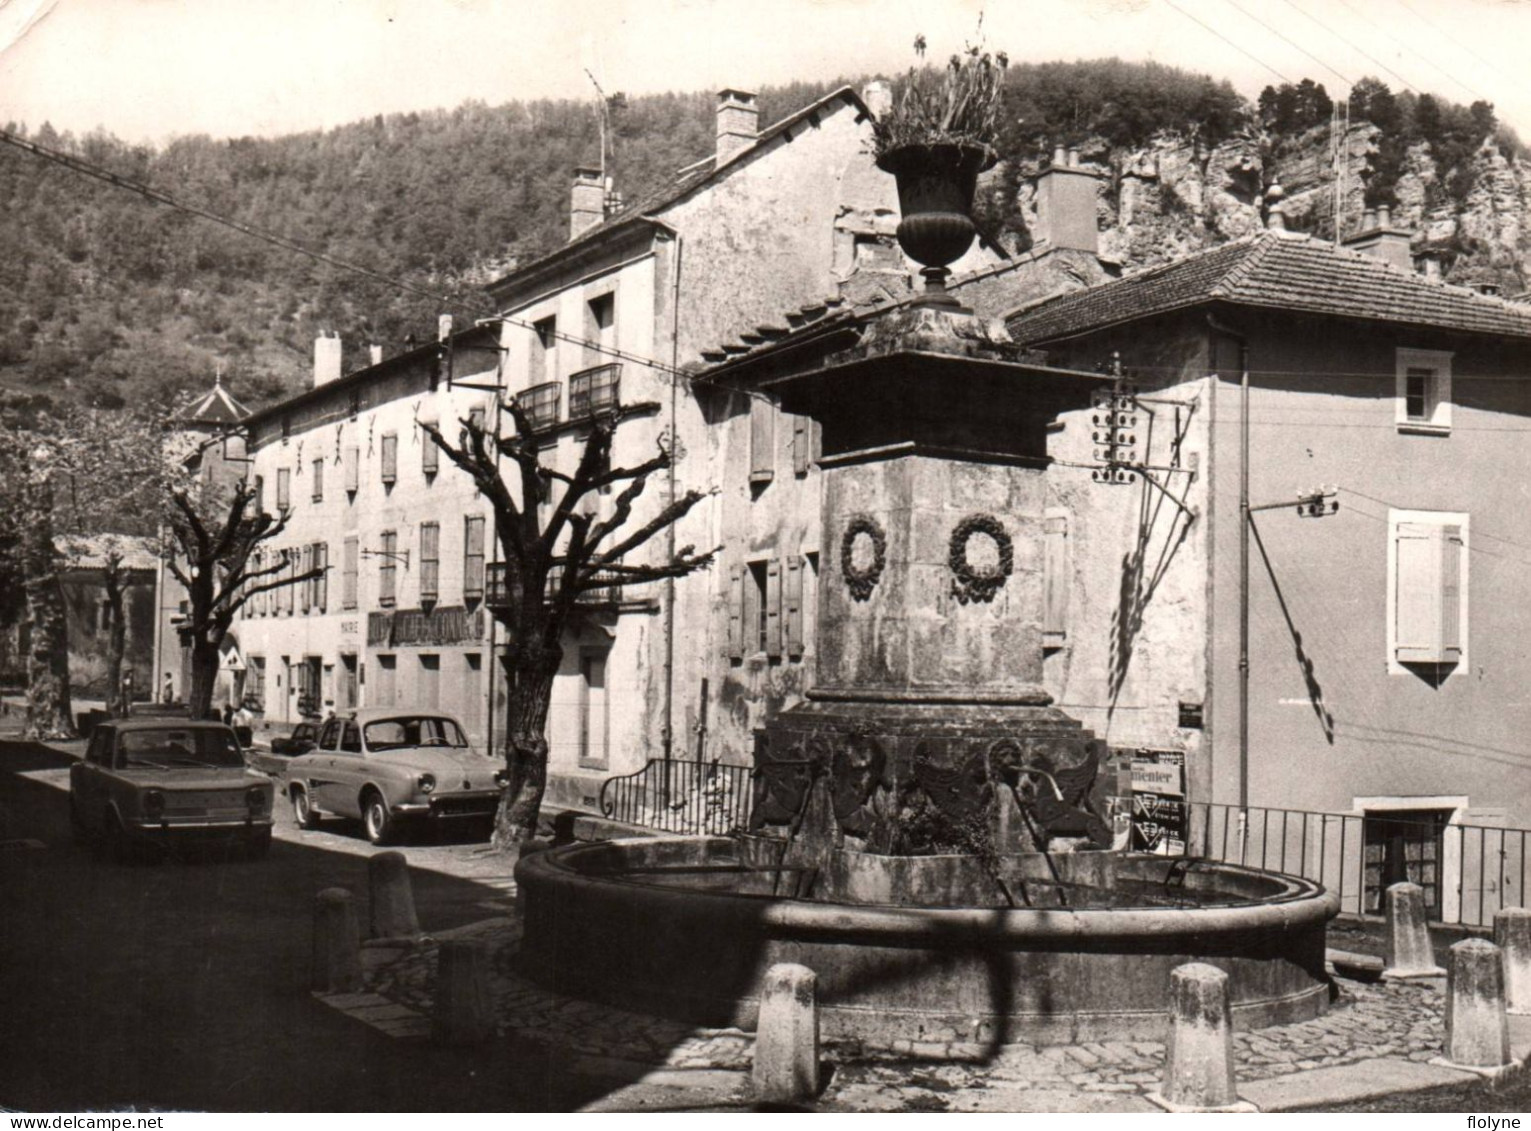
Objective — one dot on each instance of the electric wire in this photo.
(1242, 51)
(1427, 60)
(1434, 26)
(1283, 36)
(1352, 44)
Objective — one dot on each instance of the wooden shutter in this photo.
(736, 612)
(353, 463)
(390, 458)
(802, 445)
(349, 560)
(1428, 593)
(773, 609)
(322, 582)
(1055, 587)
(793, 599)
(762, 440)
(429, 452)
(307, 584)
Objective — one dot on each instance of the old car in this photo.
(167, 781)
(285, 747)
(392, 767)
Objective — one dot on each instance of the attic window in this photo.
(1422, 400)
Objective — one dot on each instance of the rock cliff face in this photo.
(1176, 196)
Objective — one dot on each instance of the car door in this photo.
(85, 778)
(325, 775)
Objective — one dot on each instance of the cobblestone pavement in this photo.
(1367, 1021)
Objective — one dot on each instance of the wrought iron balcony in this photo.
(594, 391)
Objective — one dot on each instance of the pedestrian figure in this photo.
(228, 714)
(169, 695)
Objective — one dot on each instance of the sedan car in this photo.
(167, 781)
(392, 767)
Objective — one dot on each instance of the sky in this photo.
(148, 70)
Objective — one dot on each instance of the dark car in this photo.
(285, 747)
(167, 781)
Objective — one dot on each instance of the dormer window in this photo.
(1423, 392)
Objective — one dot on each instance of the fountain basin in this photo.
(686, 928)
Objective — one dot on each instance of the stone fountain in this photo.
(927, 830)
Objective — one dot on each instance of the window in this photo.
(348, 565)
(762, 440)
(429, 453)
(473, 557)
(430, 560)
(477, 416)
(255, 684)
(1404, 846)
(390, 458)
(543, 364)
(540, 404)
(387, 577)
(321, 561)
(593, 728)
(594, 391)
(1423, 393)
(318, 480)
(284, 490)
(352, 469)
(600, 327)
(1427, 590)
(289, 574)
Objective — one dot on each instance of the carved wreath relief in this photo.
(863, 555)
(972, 582)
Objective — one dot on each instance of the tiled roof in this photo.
(216, 407)
(89, 551)
(1280, 272)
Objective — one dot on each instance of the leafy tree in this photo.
(554, 553)
(214, 536)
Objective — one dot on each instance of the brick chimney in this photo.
(326, 359)
(878, 96)
(1378, 237)
(738, 122)
(1066, 196)
(375, 354)
(587, 201)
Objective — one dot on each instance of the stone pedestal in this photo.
(464, 1009)
(1512, 935)
(1477, 1031)
(1198, 1065)
(1409, 953)
(337, 943)
(786, 1068)
(393, 899)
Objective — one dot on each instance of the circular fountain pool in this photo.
(922, 948)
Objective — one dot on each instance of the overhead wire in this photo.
(1278, 33)
(1241, 50)
(1426, 59)
(1434, 26)
(1351, 43)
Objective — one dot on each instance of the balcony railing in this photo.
(498, 594)
(594, 391)
(539, 404)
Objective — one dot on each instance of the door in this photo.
(385, 679)
(592, 715)
(1404, 845)
(332, 773)
(346, 693)
(429, 689)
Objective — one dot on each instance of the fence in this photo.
(1467, 871)
(680, 797)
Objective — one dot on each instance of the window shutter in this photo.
(429, 452)
(736, 613)
(307, 585)
(322, 583)
(1055, 588)
(802, 445)
(762, 440)
(349, 559)
(773, 609)
(390, 458)
(1428, 598)
(318, 488)
(794, 603)
(353, 477)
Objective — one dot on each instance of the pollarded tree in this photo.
(213, 540)
(554, 553)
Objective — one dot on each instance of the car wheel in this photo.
(302, 811)
(375, 816)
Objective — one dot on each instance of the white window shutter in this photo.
(353, 475)
(762, 440)
(1055, 587)
(1427, 616)
(1451, 546)
(773, 609)
(793, 600)
(736, 613)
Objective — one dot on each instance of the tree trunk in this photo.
(116, 644)
(204, 677)
(50, 713)
(529, 675)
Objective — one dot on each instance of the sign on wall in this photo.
(1160, 819)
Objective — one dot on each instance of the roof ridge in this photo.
(1260, 245)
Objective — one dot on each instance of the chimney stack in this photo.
(326, 359)
(878, 96)
(1379, 238)
(375, 354)
(738, 122)
(1066, 199)
(443, 327)
(587, 201)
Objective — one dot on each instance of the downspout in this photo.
(668, 736)
(493, 535)
(1220, 328)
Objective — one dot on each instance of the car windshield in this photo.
(412, 730)
(179, 746)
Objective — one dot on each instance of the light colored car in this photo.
(392, 767)
(167, 781)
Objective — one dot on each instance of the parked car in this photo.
(285, 747)
(393, 767)
(167, 781)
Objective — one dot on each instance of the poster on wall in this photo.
(1159, 815)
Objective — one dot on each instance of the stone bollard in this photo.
(1512, 935)
(337, 943)
(464, 1014)
(1198, 1066)
(787, 1036)
(1477, 1032)
(393, 900)
(1409, 954)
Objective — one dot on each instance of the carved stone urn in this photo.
(936, 185)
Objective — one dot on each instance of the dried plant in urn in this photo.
(935, 140)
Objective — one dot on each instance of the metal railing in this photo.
(680, 797)
(1467, 871)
